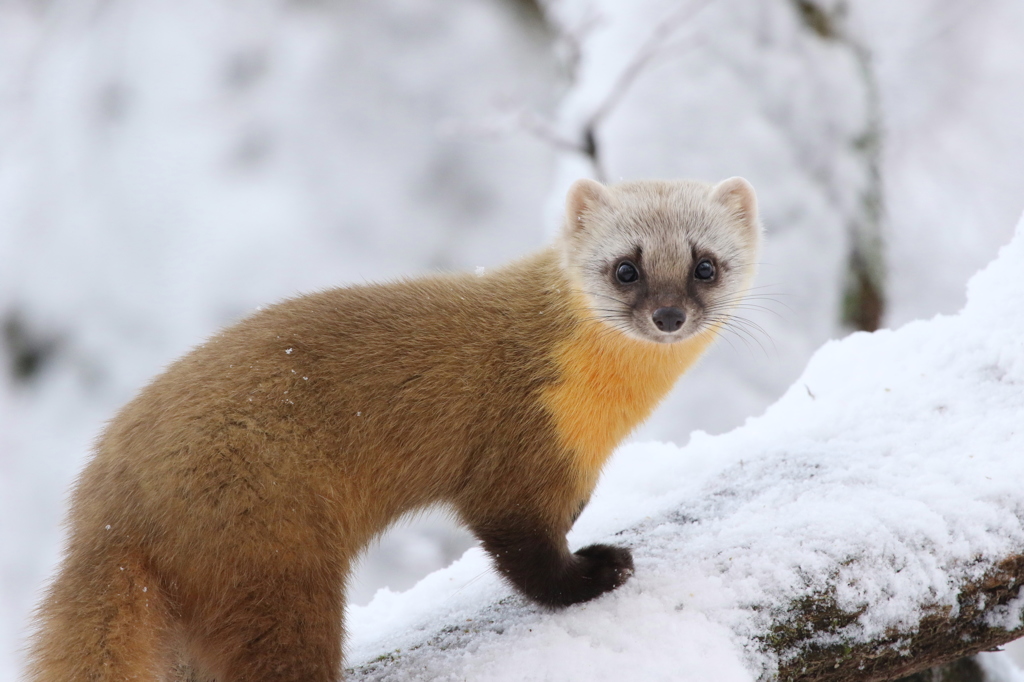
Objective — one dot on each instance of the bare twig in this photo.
(586, 140)
(642, 58)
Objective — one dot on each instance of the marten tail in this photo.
(103, 619)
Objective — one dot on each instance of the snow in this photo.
(888, 474)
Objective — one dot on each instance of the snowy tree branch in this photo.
(811, 643)
(814, 639)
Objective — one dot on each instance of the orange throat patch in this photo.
(609, 384)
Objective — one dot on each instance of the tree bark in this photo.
(943, 635)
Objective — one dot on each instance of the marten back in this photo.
(217, 523)
(395, 386)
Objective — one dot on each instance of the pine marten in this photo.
(217, 523)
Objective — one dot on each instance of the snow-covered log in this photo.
(869, 525)
(810, 642)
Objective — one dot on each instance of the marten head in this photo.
(661, 261)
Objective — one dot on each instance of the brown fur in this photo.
(225, 504)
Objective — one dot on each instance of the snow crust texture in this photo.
(888, 475)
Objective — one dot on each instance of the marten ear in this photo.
(738, 197)
(584, 197)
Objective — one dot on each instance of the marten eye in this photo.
(705, 270)
(627, 273)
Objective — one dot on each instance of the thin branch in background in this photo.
(586, 142)
(652, 47)
(542, 129)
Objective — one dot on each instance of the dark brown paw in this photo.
(605, 567)
(591, 572)
(540, 566)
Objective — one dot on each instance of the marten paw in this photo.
(603, 568)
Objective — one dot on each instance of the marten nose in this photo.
(668, 320)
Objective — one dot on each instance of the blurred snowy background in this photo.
(168, 166)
